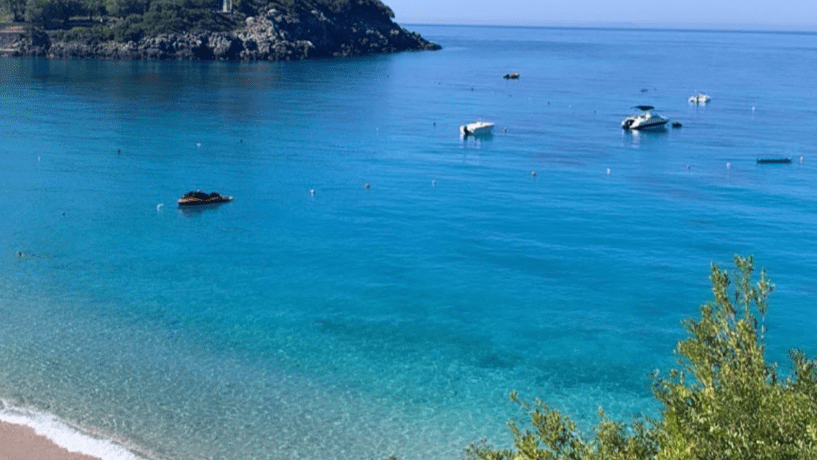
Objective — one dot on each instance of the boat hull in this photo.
(479, 128)
(636, 124)
(201, 202)
(648, 126)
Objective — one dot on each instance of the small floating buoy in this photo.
(367, 186)
(753, 108)
(505, 129)
(198, 144)
(38, 158)
(533, 173)
(608, 171)
(801, 159)
(312, 191)
(728, 165)
(689, 167)
(433, 183)
(159, 207)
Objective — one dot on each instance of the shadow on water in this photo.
(645, 137)
(475, 142)
(196, 211)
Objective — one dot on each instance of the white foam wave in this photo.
(65, 435)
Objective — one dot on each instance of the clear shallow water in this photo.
(359, 323)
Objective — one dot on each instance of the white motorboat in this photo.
(477, 128)
(647, 119)
(699, 98)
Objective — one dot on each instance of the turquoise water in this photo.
(316, 318)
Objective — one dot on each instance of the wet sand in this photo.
(20, 442)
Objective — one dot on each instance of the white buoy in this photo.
(608, 171)
(159, 207)
(312, 191)
(728, 165)
(533, 173)
(367, 186)
(198, 144)
(801, 159)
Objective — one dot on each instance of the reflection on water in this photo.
(199, 209)
(643, 137)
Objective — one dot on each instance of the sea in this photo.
(379, 285)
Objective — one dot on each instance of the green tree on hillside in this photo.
(17, 8)
(53, 13)
(724, 401)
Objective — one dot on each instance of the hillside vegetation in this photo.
(131, 20)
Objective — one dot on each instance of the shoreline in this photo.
(21, 442)
(27, 434)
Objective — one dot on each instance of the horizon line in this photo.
(634, 28)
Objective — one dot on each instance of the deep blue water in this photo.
(354, 322)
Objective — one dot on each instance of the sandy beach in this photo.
(20, 442)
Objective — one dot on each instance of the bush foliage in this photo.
(133, 19)
(723, 402)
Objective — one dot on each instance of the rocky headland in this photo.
(295, 32)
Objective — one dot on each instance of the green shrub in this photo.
(85, 35)
(125, 8)
(724, 402)
(51, 14)
(130, 29)
(173, 16)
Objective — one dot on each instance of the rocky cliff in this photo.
(279, 33)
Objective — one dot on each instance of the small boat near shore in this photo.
(199, 198)
(773, 161)
(477, 128)
(511, 76)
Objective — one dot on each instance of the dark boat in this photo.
(198, 198)
(773, 160)
(511, 76)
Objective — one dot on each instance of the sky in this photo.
(687, 14)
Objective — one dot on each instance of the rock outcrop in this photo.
(293, 33)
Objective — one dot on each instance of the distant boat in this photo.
(676, 124)
(511, 76)
(198, 198)
(773, 160)
(477, 128)
(699, 98)
(644, 120)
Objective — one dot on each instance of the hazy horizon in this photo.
(691, 14)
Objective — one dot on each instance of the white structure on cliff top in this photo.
(227, 6)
